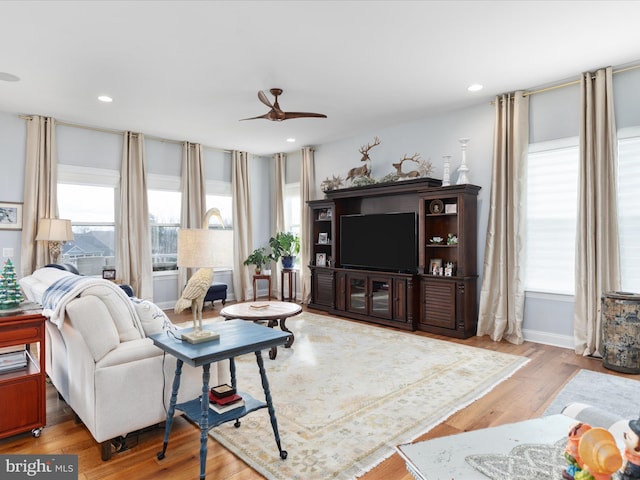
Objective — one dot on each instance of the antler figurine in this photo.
(364, 150)
(365, 170)
(413, 173)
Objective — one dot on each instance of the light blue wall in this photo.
(13, 140)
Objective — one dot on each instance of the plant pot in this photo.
(288, 261)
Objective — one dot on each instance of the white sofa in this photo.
(101, 362)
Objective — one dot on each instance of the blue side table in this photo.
(237, 337)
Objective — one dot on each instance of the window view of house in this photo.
(93, 225)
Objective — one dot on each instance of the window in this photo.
(552, 196)
(628, 211)
(224, 234)
(292, 215)
(164, 220)
(91, 211)
(292, 208)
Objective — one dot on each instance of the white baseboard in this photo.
(546, 338)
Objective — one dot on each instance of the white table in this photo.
(444, 458)
(273, 312)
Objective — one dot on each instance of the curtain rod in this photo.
(574, 82)
(120, 132)
(568, 84)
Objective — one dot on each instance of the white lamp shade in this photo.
(54, 230)
(196, 248)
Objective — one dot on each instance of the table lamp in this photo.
(56, 231)
(196, 250)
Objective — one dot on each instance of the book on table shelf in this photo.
(228, 407)
(13, 360)
(225, 400)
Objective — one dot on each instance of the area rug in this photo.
(618, 395)
(347, 393)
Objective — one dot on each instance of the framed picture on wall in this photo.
(10, 216)
(321, 259)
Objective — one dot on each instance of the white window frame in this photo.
(96, 177)
(169, 183)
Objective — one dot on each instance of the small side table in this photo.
(255, 281)
(237, 337)
(22, 391)
(292, 278)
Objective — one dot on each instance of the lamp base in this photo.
(200, 336)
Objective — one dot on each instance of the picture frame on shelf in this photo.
(109, 274)
(449, 269)
(322, 215)
(451, 208)
(436, 207)
(435, 266)
(321, 259)
(329, 214)
(10, 216)
(323, 238)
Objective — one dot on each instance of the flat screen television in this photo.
(380, 241)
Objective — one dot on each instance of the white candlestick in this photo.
(446, 180)
(463, 169)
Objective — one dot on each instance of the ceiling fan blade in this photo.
(266, 115)
(289, 115)
(263, 98)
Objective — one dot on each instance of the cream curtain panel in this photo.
(133, 234)
(597, 250)
(307, 180)
(243, 234)
(501, 311)
(40, 191)
(280, 161)
(194, 195)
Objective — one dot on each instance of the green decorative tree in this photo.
(10, 295)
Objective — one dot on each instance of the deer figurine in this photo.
(365, 170)
(413, 173)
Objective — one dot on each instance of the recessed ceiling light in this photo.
(291, 140)
(476, 87)
(9, 77)
(105, 99)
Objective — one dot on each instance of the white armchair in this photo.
(100, 361)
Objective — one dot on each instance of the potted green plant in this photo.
(259, 257)
(285, 245)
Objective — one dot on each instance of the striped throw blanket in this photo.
(62, 291)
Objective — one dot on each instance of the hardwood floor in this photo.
(525, 395)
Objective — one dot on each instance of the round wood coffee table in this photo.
(273, 312)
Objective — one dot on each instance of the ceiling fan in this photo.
(276, 114)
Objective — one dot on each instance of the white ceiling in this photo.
(190, 70)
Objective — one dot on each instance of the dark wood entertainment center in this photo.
(435, 303)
